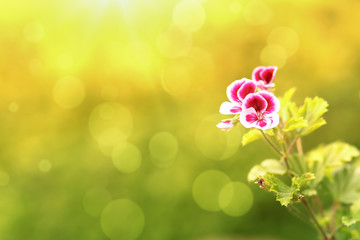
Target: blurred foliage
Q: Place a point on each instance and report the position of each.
(109, 107)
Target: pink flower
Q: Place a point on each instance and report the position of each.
(264, 76)
(236, 92)
(260, 110)
(225, 125)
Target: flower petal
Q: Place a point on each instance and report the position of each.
(225, 125)
(256, 73)
(268, 74)
(262, 85)
(273, 104)
(268, 121)
(263, 124)
(248, 117)
(256, 101)
(227, 108)
(275, 119)
(248, 87)
(233, 89)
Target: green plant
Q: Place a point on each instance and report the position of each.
(321, 186)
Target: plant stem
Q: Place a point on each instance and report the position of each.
(292, 144)
(299, 146)
(333, 217)
(298, 214)
(271, 144)
(312, 214)
(321, 210)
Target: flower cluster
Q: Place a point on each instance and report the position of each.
(251, 102)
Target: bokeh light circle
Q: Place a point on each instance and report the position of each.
(189, 15)
(174, 43)
(34, 32)
(45, 165)
(235, 7)
(163, 147)
(122, 219)
(214, 143)
(69, 92)
(273, 55)
(126, 157)
(109, 92)
(175, 78)
(13, 107)
(94, 201)
(207, 187)
(285, 37)
(257, 12)
(110, 124)
(235, 199)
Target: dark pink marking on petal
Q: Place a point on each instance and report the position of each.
(262, 123)
(273, 104)
(256, 73)
(248, 117)
(268, 74)
(248, 87)
(256, 101)
(233, 89)
(252, 117)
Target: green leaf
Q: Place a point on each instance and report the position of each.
(287, 107)
(311, 111)
(294, 123)
(309, 192)
(354, 216)
(250, 136)
(303, 179)
(344, 184)
(253, 135)
(286, 194)
(333, 154)
(267, 166)
(324, 159)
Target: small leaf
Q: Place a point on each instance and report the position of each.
(303, 179)
(253, 135)
(284, 193)
(250, 136)
(294, 123)
(354, 216)
(287, 107)
(267, 166)
(309, 192)
(311, 111)
(287, 96)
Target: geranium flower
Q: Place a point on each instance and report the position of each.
(260, 110)
(225, 125)
(264, 76)
(236, 93)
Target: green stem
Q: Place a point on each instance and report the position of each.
(271, 144)
(299, 146)
(312, 214)
(298, 214)
(292, 144)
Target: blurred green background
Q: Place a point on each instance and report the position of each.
(109, 107)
